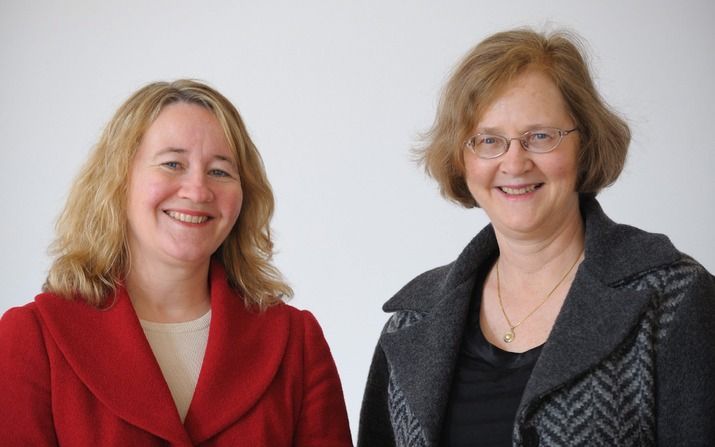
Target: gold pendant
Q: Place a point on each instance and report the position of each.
(509, 336)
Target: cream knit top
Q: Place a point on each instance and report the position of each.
(179, 349)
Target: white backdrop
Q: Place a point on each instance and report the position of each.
(334, 95)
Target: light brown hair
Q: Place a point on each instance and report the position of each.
(485, 72)
(91, 256)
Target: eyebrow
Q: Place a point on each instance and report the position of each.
(497, 131)
(175, 150)
(488, 130)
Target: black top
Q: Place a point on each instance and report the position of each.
(486, 389)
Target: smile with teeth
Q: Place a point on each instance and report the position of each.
(520, 191)
(187, 218)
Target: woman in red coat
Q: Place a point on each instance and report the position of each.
(161, 321)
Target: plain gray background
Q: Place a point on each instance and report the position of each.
(335, 94)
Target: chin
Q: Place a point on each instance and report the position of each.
(523, 226)
(184, 258)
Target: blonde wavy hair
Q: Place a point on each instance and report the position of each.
(91, 255)
(481, 77)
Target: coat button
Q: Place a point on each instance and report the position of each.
(530, 437)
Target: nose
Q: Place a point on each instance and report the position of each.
(519, 140)
(515, 161)
(195, 187)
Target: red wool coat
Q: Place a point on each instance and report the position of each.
(73, 375)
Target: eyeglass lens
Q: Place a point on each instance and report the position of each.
(537, 140)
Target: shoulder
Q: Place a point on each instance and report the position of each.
(286, 310)
(606, 238)
(419, 293)
(626, 257)
(306, 339)
(22, 340)
(427, 289)
(19, 320)
(414, 300)
(674, 282)
(617, 253)
(301, 321)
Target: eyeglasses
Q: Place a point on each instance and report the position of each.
(539, 141)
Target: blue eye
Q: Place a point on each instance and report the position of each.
(219, 173)
(542, 136)
(171, 165)
(488, 140)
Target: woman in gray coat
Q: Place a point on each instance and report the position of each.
(555, 326)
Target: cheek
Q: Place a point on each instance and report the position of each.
(570, 163)
(154, 193)
(231, 203)
(561, 168)
(156, 189)
(145, 195)
(569, 171)
(476, 175)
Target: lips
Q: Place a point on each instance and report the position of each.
(519, 190)
(186, 218)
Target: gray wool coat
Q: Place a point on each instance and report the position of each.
(630, 360)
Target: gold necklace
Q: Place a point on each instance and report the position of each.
(510, 335)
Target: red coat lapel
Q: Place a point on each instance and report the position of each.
(109, 353)
(244, 353)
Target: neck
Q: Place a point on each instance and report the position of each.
(168, 294)
(534, 279)
(532, 263)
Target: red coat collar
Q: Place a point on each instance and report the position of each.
(108, 351)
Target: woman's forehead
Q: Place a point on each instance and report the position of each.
(530, 99)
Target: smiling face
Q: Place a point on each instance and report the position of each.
(523, 193)
(184, 192)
